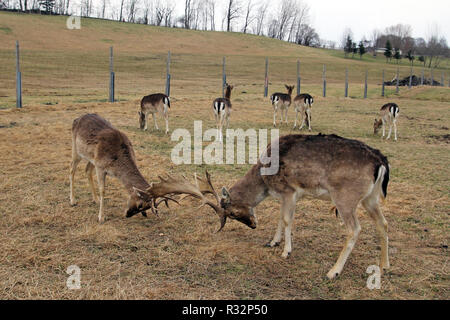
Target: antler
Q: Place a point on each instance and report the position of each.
(174, 186)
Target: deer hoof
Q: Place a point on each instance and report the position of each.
(332, 274)
(286, 255)
(270, 245)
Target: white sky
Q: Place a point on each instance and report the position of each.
(331, 17)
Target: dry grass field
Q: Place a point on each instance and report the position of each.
(177, 255)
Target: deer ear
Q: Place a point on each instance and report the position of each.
(141, 193)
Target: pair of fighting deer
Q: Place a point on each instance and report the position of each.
(347, 172)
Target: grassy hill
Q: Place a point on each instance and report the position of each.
(61, 65)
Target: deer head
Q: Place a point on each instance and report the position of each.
(229, 87)
(377, 125)
(237, 211)
(289, 89)
(141, 120)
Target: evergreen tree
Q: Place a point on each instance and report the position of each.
(354, 49)
(397, 55)
(388, 51)
(348, 46)
(361, 49)
(422, 59)
(410, 57)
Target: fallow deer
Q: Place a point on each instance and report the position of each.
(108, 151)
(389, 113)
(154, 103)
(347, 172)
(281, 101)
(222, 111)
(302, 104)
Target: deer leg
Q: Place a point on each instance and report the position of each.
(275, 109)
(73, 167)
(287, 210)
(166, 118)
(285, 115)
(395, 130)
(390, 130)
(146, 122)
(303, 119)
(373, 209)
(308, 112)
(154, 120)
(384, 125)
(296, 116)
(348, 214)
(101, 176)
(277, 237)
(90, 172)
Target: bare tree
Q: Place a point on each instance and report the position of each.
(121, 10)
(232, 12)
(261, 17)
(345, 35)
(248, 16)
(132, 9)
(284, 18)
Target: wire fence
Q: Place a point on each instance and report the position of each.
(116, 75)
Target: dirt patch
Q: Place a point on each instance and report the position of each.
(442, 138)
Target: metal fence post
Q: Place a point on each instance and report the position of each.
(224, 77)
(266, 79)
(432, 77)
(18, 79)
(421, 77)
(346, 82)
(111, 75)
(324, 81)
(298, 77)
(365, 86)
(410, 78)
(382, 86)
(442, 78)
(396, 88)
(168, 76)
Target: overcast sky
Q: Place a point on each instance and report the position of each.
(331, 17)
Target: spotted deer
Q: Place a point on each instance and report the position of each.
(281, 101)
(152, 104)
(302, 104)
(347, 172)
(389, 114)
(222, 111)
(107, 151)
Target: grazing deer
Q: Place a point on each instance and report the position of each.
(302, 104)
(222, 110)
(389, 113)
(347, 172)
(282, 101)
(154, 103)
(108, 151)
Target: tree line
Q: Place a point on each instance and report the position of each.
(287, 20)
(396, 43)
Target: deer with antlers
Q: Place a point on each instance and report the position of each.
(281, 101)
(222, 110)
(108, 151)
(302, 104)
(347, 172)
(389, 114)
(152, 104)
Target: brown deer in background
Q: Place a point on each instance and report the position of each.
(222, 111)
(108, 151)
(347, 172)
(152, 104)
(281, 101)
(302, 104)
(389, 114)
